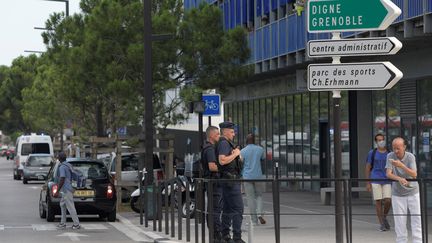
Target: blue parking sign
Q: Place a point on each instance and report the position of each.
(212, 104)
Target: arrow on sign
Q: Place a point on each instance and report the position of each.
(353, 76)
(350, 15)
(354, 47)
(73, 236)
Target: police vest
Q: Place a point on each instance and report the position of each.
(234, 167)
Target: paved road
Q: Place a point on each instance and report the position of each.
(20, 221)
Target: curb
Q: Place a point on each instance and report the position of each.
(154, 237)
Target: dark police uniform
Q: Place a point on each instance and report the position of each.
(208, 154)
(232, 212)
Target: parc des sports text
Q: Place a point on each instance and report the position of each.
(329, 21)
(342, 72)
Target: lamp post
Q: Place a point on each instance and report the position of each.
(67, 14)
(63, 1)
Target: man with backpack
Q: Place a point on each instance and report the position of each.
(66, 190)
(211, 171)
(381, 190)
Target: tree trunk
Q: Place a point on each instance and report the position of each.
(99, 121)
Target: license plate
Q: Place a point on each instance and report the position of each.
(83, 193)
(41, 177)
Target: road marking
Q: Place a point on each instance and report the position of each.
(19, 227)
(73, 236)
(131, 227)
(43, 227)
(94, 226)
(1, 227)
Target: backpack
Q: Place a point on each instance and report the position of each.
(373, 157)
(76, 175)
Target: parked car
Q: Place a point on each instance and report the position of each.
(36, 167)
(98, 196)
(129, 172)
(10, 153)
(3, 150)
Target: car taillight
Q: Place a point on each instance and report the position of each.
(54, 189)
(110, 192)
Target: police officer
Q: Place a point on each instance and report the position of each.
(211, 171)
(230, 163)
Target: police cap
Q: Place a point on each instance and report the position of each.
(226, 124)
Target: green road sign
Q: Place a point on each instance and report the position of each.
(350, 15)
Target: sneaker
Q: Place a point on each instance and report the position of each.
(382, 228)
(262, 220)
(61, 226)
(239, 241)
(386, 224)
(76, 227)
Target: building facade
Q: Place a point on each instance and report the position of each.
(294, 125)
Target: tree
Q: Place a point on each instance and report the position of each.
(93, 68)
(14, 79)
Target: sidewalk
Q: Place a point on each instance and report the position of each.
(299, 222)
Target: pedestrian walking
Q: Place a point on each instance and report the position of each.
(401, 165)
(65, 189)
(230, 163)
(211, 171)
(381, 190)
(252, 156)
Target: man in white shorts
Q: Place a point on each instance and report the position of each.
(381, 190)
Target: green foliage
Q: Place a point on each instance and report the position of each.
(92, 72)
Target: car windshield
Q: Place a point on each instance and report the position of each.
(35, 148)
(91, 170)
(39, 161)
(129, 163)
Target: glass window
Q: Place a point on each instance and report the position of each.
(42, 161)
(393, 115)
(297, 135)
(424, 127)
(35, 148)
(379, 112)
(289, 134)
(314, 139)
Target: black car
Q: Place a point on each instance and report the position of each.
(98, 196)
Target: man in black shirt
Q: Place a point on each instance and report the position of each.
(211, 171)
(230, 164)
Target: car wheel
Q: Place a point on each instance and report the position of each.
(112, 216)
(135, 204)
(25, 181)
(50, 212)
(18, 177)
(191, 209)
(42, 211)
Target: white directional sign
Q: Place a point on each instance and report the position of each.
(354, 47)
(353, 76)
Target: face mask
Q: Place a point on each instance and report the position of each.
(381, 144)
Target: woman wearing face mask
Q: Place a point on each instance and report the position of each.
(381, 190)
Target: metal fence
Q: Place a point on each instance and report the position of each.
(175, 207)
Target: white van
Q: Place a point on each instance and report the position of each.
(30, 144)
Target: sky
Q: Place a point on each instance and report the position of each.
(17, 21)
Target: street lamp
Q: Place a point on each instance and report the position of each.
(39, 28)
(64, 1)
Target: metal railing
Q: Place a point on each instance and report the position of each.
(172, 204)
